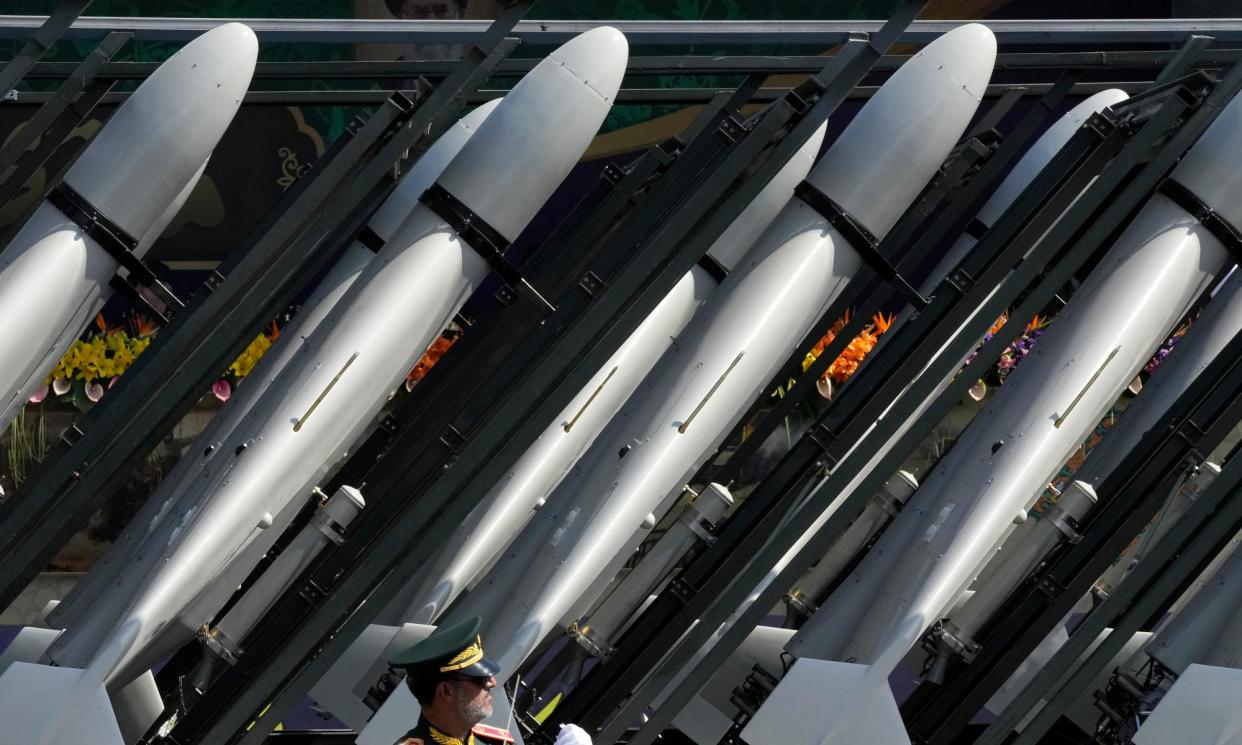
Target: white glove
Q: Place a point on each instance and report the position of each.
(572, 734)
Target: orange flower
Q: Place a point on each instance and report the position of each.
(143, 326)
(1000, 323)
(429, 359)
(855, 352)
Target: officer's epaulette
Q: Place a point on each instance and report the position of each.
(492, 733)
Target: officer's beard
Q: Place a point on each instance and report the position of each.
(473, 710)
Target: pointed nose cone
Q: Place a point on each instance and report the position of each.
(233, 50)
(537, 134)
(157, 140)
(966, 54)
(597, 58)
(1043, 151)
(891, 149)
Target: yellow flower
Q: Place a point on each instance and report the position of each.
(250, 356)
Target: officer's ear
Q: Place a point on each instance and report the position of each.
(444, 688)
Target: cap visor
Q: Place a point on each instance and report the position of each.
(484, 668)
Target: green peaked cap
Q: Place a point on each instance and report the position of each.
(449, 649)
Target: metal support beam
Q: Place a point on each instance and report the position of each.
(44, 35)
(653, 65)
(668, 96)
(819, 33)
(45, 120)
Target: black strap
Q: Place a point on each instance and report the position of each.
(714, 269)
(141, 286)
(857, 235)
(94, 223)
(976, 228)
(1209, 218)
(370, 238)
(485, 240)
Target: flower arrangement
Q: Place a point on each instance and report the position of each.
(433, 354)
(95, 362)
(854, 353)
(1019, 348)
(1165, 348)
(1014, 353)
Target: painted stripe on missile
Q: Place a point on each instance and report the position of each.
(1096, 376)
(681, 430)
(570, 424)
(297, 427)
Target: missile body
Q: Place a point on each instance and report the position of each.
(505, 511)
(732, 347)
(117, 573)
(342, 374)
(136, 172)
(930, 553)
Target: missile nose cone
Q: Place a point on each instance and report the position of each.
(965, 54)
(234, 49)
(1100, 101)
(907, 128)
(597, 58)
(158, 139)
(536, 135)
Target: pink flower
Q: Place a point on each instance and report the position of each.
(39, 394)
(94, 391)
(222, 390)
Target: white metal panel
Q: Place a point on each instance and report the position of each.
(1200, 709)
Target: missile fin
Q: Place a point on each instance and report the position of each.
(820, 702)
(42, 705)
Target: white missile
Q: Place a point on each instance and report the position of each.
(54, 277)
(345, 370)
(119, 571)
(920, 566)
(733, 346)
(511, 503)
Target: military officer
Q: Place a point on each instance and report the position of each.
(453, 683)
